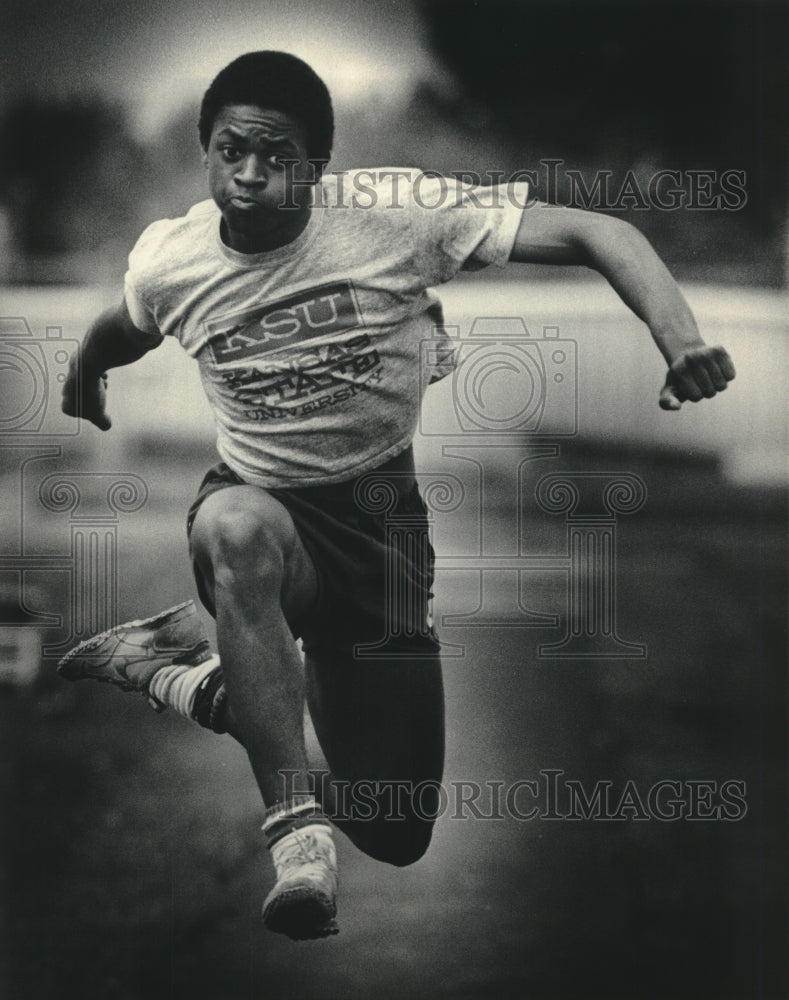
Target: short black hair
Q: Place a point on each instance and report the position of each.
(276, 80)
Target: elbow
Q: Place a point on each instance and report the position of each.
(607, 238)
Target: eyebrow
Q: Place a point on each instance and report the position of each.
(229, 132)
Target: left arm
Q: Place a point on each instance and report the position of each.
(556, 235)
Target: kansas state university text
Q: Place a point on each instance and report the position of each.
(319, 375)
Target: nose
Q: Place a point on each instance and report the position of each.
(250, 172)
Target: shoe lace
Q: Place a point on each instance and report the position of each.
(301, 849)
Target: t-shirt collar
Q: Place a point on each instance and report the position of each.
(269, 257)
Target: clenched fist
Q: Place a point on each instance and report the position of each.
(85, 395)
(698, 373)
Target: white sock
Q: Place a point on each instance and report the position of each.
(177, 684)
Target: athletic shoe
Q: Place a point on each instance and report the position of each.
(302, 904)
(129, 655)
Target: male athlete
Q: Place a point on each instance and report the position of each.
(304, 298)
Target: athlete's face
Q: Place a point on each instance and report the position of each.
(264, 200)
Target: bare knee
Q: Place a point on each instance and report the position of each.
(241, 543)
(247, 548)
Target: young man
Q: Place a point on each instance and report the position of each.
(304, 300)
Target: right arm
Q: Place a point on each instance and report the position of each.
(112, 341)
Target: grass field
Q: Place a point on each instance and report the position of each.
(134, 868)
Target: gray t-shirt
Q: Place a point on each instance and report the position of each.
(315, 356)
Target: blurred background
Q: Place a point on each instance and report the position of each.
(99, 105)
(132, 861)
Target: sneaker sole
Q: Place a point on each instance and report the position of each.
(302, 914)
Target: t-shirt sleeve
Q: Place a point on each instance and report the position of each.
(140, 313)
(458, 226)
(137, 281)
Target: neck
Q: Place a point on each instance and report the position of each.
(287, 229)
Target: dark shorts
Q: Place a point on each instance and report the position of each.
(368, 539)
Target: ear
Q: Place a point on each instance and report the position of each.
(205, 158)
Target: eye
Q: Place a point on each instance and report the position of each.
(229, 153)
(277, 161)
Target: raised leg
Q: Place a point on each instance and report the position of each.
(380, 723)
(261, 581)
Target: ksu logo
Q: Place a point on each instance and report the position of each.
(261, 329)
